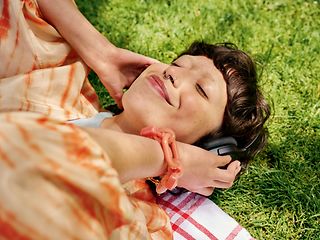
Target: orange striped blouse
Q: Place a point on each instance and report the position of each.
(57, 183)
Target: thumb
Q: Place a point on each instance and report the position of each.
(150, 60)
(144, 60)
(132, 58)
(222, 161)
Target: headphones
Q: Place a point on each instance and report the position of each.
(222, 146)
(227, 146)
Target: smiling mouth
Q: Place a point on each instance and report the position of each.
(157, 83)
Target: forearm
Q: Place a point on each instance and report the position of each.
(75, 29)
(133, 157)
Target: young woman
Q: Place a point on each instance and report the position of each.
(89, 183)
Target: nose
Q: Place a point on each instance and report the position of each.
(178, 75)
(168, 76)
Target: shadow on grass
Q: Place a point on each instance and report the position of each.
(281, 185)
(292, 182)
(293, 178)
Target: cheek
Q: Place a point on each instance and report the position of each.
(203, 117)
(207, 116)
(193, 108)
(194, 122)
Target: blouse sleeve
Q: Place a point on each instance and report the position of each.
(57, 183)
(39, 71)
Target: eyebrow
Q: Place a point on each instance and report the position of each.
(184, 59)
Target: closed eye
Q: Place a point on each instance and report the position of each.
(174, 64)
(198, 86)
(201, 91)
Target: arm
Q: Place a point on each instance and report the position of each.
(133, 157)
(117, 68)
(136, 157)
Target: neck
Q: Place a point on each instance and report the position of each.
(119, 123)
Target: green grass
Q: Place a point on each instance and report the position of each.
(279, 196)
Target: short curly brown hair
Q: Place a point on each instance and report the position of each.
(247, 110)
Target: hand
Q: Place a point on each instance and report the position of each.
(119, 68)
(201, 172)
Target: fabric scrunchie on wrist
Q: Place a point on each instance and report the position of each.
(166, 138)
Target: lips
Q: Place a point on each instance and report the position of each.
(157, 83)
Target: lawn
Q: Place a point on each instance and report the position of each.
(279, 196)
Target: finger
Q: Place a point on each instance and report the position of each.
(135, 58)
(118, 99)
(116, 95)
(145, 60)
(207, 191)
(133, 73)
(223, 175)
(234, 167)
(114, 89)
(223, 160)
(151, 61)
(225, 178)
(218, 184)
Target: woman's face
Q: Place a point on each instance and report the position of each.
(189, 96)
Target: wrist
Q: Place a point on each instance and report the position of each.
(166, 138)
(94, 49)
(99, 55)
